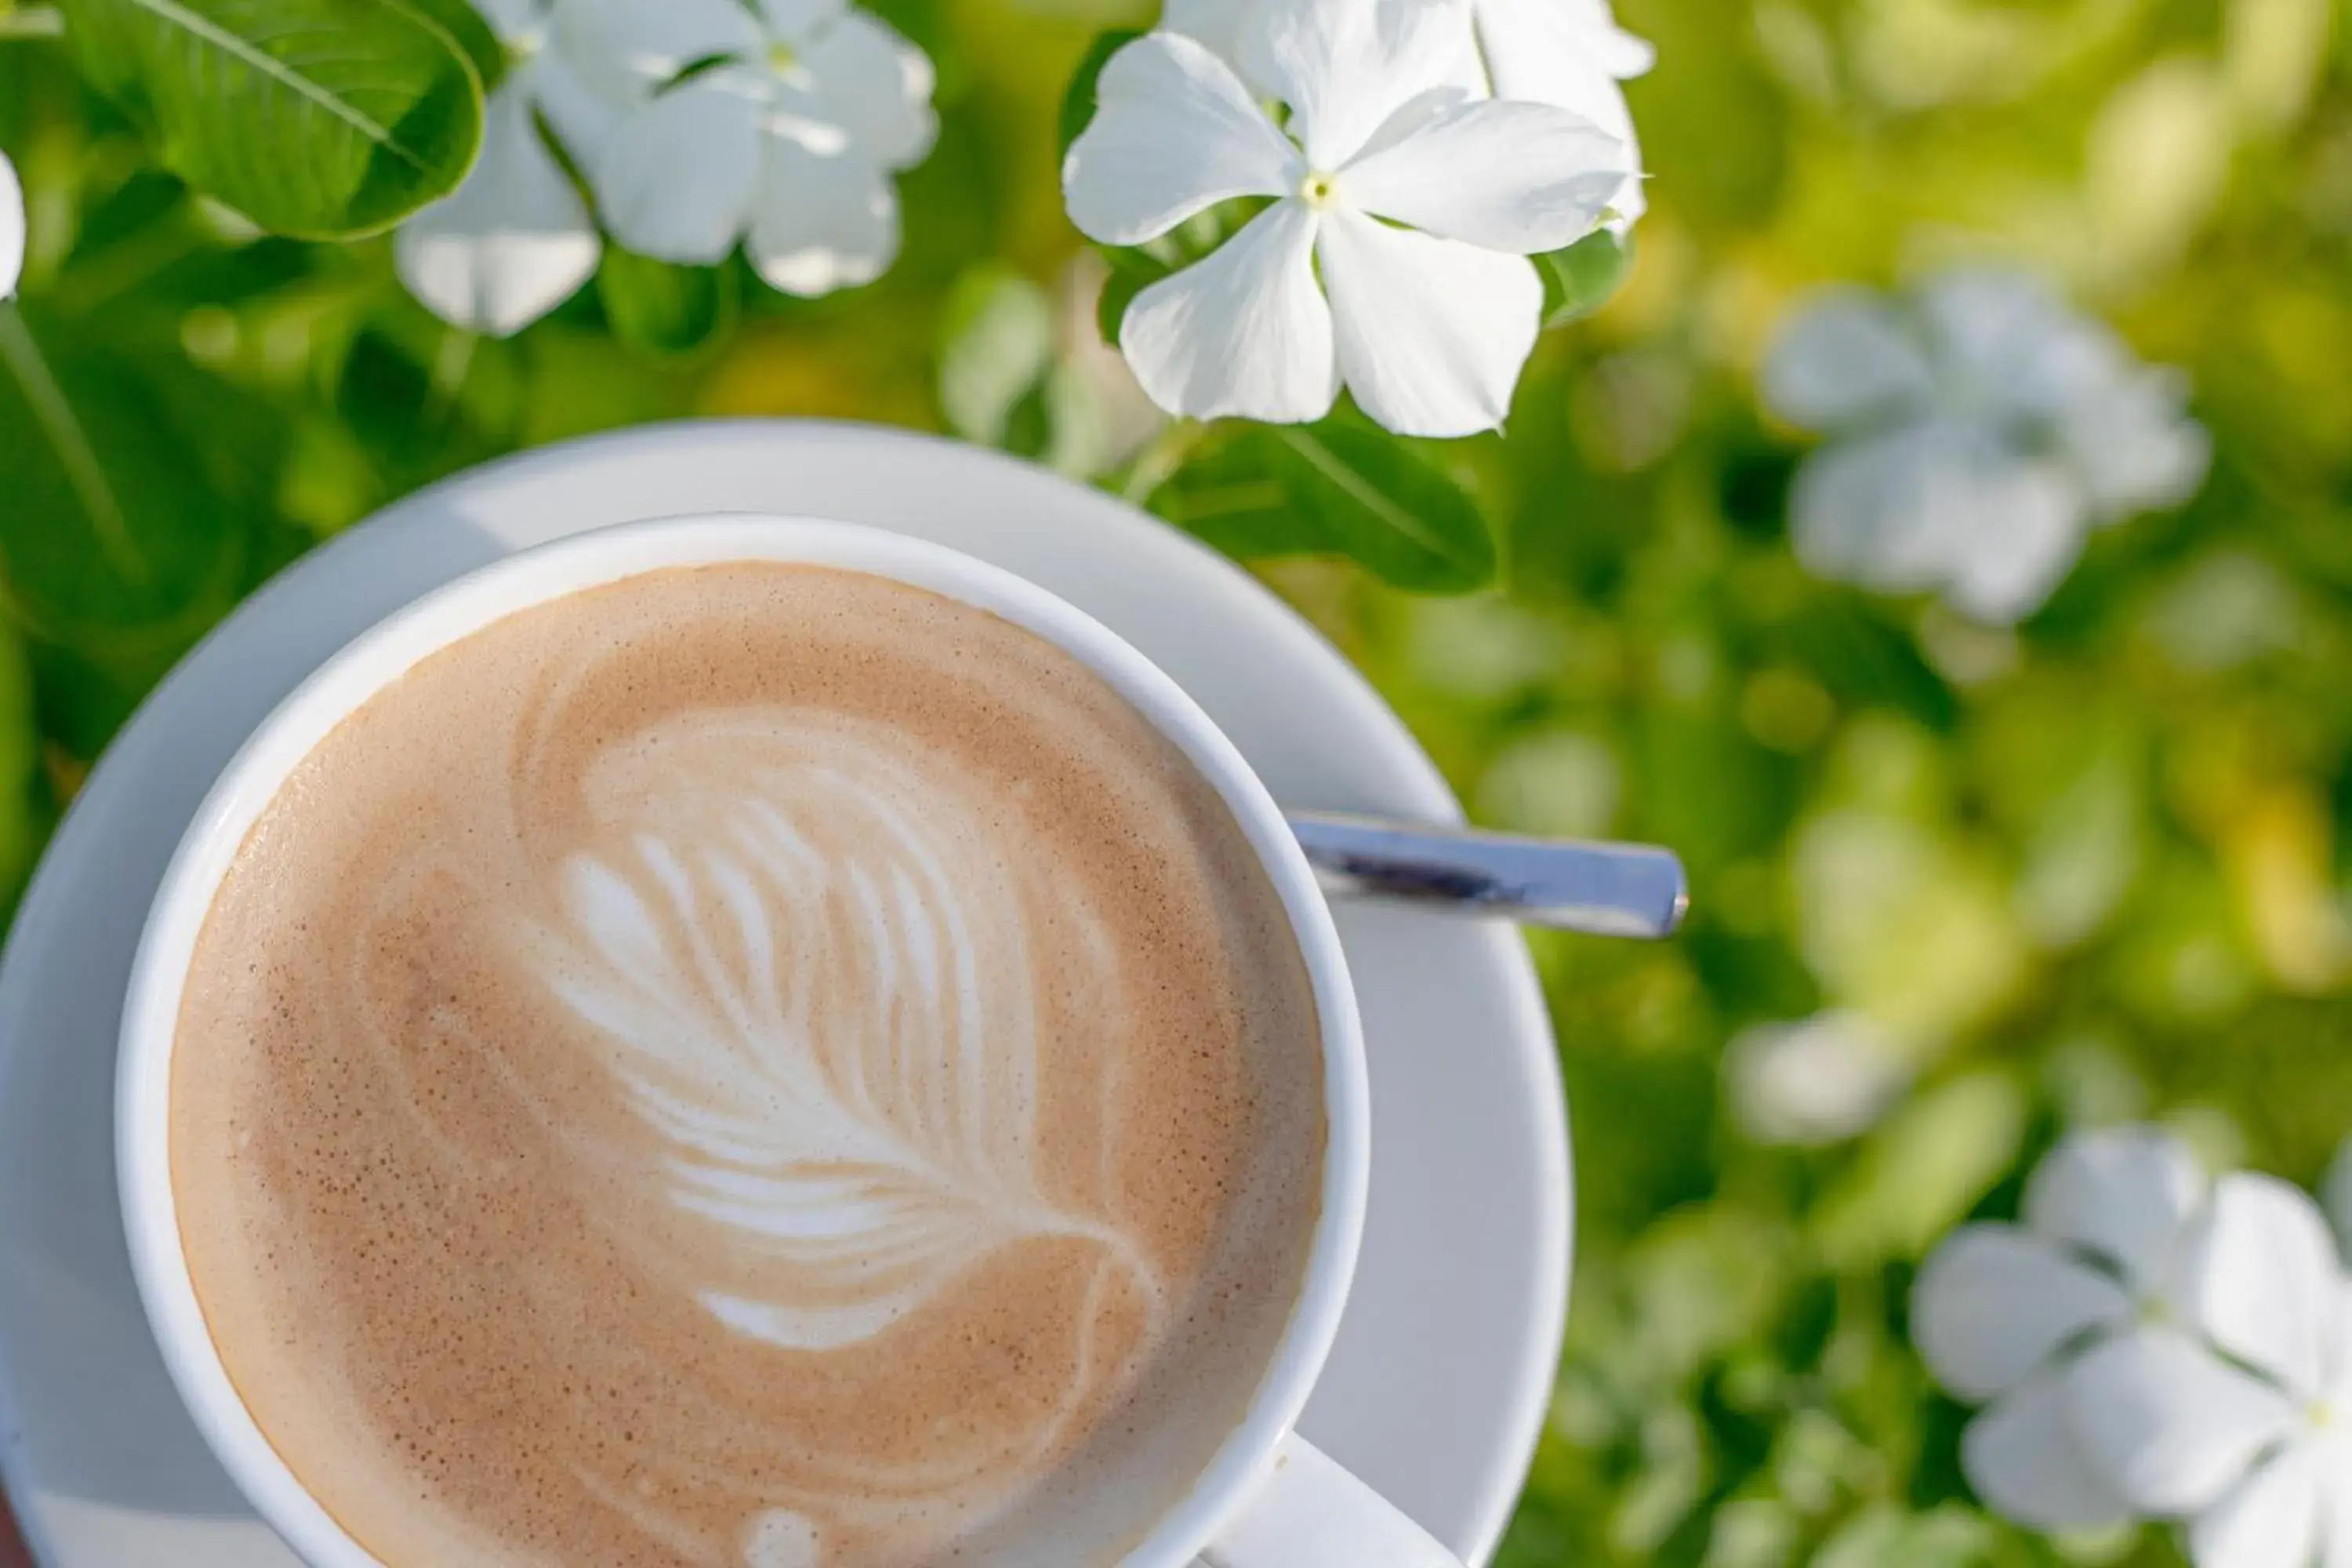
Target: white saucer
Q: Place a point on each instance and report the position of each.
(1444, 1367)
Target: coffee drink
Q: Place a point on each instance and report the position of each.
(753, 1066)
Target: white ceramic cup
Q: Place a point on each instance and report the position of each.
(1267, 1500)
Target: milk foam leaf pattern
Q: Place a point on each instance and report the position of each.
(814, 987)
(1340, 487)
(317, 118)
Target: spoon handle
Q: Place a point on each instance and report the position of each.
(1608, 889)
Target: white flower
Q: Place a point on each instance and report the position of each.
(1979, 431)
(515, 240)
(1569, 53)
(2018, 1315)
(12, 229)
(1418, 205)
(2254, 1451)
(789, 147)
(1817, 1081)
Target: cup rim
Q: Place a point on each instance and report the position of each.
(446, 615)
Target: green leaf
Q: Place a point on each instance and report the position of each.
(1078, 101)
(1584, 278)
(664, 308)
(316, 118)
(1340, 487)
(472, 34)
(123, 538)
(1131, 272)
(996, 344)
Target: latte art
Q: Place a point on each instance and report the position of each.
(753, 1066)
(808, 962)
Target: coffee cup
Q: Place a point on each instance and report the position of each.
(1121, 1474)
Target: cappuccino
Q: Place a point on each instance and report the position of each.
(753, 1066)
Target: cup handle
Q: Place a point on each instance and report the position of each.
(1308, 1513)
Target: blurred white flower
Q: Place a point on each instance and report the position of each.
(12, 229)
(2018, 1315)
(1573, 54)
(1818, 1080)
(1978, 431)
(1418, 205)
(514, 240)
(789, 147)
(2254, 1451)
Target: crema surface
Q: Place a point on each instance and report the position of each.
(756, 1067)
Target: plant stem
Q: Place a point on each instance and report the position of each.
(56, 416)
(1158, 462)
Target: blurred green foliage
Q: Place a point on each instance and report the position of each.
(2090, 869)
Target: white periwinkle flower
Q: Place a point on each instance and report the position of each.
(12, 229)
(1978, 431)
(1418, 204)
(2016, 1315)
(789, 147)
(2254, 1451)
(515, 240)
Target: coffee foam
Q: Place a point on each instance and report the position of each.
(751, 1065)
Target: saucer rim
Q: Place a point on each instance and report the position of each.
(1409, 772)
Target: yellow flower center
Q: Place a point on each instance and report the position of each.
(1318, 190)
(783, 58)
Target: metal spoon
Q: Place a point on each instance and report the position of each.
(1609, 889)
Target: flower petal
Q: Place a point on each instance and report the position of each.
(2023, 1459)
(822, 223)
(625, 49)
(12, 229)
(1344, 67)
(2135, 445)
(581, 118)
(2028, 529)
(1246, 333)
(678, 177)
(798, 21)
(2126, 1193)
(2334, 1449)
(511, 243)
(1844, 355)
(2270, 1520)
(1570, 54)
(1938, 504)
(1522, 177)
(878, 86)
(1994, 1302)
(1176, 132)
(1532, 45)
(1214, 23)
(2170, 1424)
(1431, 332)
(2263, 1279)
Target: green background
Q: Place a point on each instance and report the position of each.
(2092, 870)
